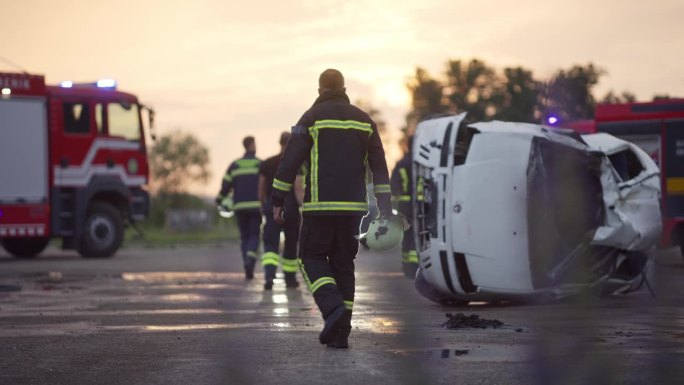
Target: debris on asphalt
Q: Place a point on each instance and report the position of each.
(462, 321)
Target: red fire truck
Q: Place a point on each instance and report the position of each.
(658, 128)
(73, 165)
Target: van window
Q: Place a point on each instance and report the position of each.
(76, 118)
(99, 111)
(627, 164)
(123, 120)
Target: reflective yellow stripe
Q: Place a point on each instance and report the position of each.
(343, 125)
(404, 198)
(404, 180)
(381, 189)
(244, 171)
(280, 185)
(314, 164)
(675, 185)
(228, 178)
(420, 189)
(410, 256)
(252, 254)
(246, 205)
(321, 282)
(247, 162)
(270, 258)
(304, 275)
(335, 206)
(349, 305)
(289, 265)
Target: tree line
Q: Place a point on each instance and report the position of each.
(511, 94)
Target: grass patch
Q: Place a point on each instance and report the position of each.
(223, 232)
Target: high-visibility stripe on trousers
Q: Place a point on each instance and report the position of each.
(327, 249)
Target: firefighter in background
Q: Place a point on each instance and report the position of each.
(242, 177)
(270, 259)
(402, 193)
(338, 140)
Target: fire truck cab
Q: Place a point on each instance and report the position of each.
(73, 165)
(658, 128)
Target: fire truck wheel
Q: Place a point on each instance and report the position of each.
(25, 247)
(103, 232)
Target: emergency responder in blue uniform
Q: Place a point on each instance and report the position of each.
(242, 177)
(402, 193)
(270, 259)
(338, 141)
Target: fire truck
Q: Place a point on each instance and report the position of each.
(658, 128)
(73, 165)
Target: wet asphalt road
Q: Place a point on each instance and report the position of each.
(187, 316)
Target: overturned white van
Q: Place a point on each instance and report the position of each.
(519, 211)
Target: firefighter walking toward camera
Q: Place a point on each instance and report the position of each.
(337, 140)
(270, 259)
(242, 178)
(402, 194)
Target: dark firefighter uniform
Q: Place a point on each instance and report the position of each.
(338, 141)
(402, 193)
(242, 177)
(270, 259)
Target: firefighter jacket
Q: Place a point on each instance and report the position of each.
(337, 142)
(242, 177)
(401, 180)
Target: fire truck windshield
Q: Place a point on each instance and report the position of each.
(124, 120)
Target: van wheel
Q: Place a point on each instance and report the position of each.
(103, 231)
(25, 247)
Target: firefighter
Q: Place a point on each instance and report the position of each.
(337, 140)
(270, 259)
(402, 192)
(242, 178)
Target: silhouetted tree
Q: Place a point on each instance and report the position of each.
(614, 98)
(427, 95)
(661, 97)
(473, 87)
(520, 96)
(569, 92)
(176, 161)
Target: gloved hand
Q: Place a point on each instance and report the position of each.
(279, 214)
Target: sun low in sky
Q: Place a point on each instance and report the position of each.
(226, 69)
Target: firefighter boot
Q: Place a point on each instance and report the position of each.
(410, 269)
(269, 275)
(332, 322)
(291, 281)
(341, 338)
(250, 262)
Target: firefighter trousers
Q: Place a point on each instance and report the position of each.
(249, 225)
(270, 259)
(327, 249)
(409, 255)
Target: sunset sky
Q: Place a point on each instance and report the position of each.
(225, 69)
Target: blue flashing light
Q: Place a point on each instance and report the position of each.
(66, 84)
(552, 120)
(106, 83)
